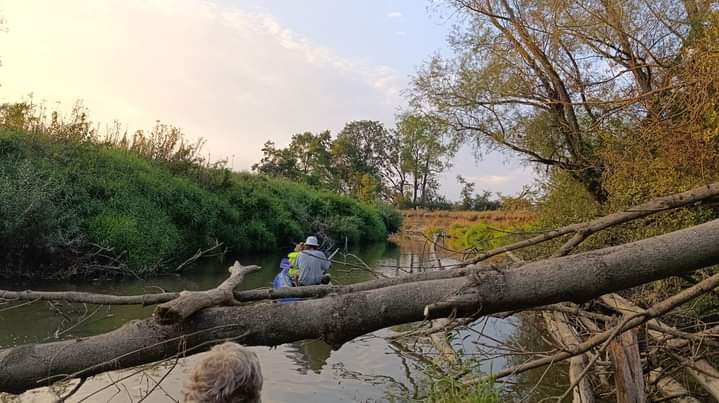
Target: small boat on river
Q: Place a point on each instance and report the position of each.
(282, 279)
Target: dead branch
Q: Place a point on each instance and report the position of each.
(700, 369)
(189, 302)
(89, 298)
(670, 388)
(560, 329)
(200, 253)
(634, 320)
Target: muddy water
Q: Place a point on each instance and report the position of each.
(367, 369)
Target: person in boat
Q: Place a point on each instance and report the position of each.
(293, 272)
(229, 374)
(312, 264)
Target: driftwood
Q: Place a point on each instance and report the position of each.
(630, 322)
(441, 344)
(312, 291)
(705, 374)
(560, 329)
(700, 369)
(339, 318)
(628, 374)
(670, 388)
(189, 302)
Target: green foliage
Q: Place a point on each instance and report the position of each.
(391, 217)
(424, 153)
(481, 236)
(34, 226)
(59, 190)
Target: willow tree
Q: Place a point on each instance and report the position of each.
(555, 81)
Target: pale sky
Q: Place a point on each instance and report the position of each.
(237, 73)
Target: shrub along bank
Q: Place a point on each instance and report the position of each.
(71, 207)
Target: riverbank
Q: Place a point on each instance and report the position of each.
(463, 231)
(79, 207)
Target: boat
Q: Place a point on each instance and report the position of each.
(282, 279)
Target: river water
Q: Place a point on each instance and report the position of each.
(367, 369)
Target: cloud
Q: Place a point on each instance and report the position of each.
(394, 14)
(489, 179)
(232, 76)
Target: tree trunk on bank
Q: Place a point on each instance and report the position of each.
(340, 318)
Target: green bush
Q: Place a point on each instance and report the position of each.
(391, 217)
(149, 211)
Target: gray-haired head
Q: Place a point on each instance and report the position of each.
(229, 374)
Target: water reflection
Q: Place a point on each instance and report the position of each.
(309, 355)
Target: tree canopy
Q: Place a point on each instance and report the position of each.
(367, 160)
(559, 83)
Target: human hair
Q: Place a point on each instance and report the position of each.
(230, 373)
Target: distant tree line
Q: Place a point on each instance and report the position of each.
(367, 161)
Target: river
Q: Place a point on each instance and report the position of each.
(367, 369)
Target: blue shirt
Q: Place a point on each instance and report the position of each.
(312, 264)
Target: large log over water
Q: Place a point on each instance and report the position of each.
(339, 318)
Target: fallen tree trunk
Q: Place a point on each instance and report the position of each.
(340, 318)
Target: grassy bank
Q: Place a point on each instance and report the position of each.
(69, 205)
(468, 230)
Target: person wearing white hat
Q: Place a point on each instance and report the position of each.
(312, 263)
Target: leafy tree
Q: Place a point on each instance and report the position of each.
(314, 159)
(557, 82)
(483, 202)
(307, 158)
(466, 194)
(360, 154)
(471, 201)
(424, 153)
(277, 162)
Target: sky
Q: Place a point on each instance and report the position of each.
(234, 72)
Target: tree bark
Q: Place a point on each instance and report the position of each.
(189, 302)
(340, 318)
(628, 374)
(669, 387)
